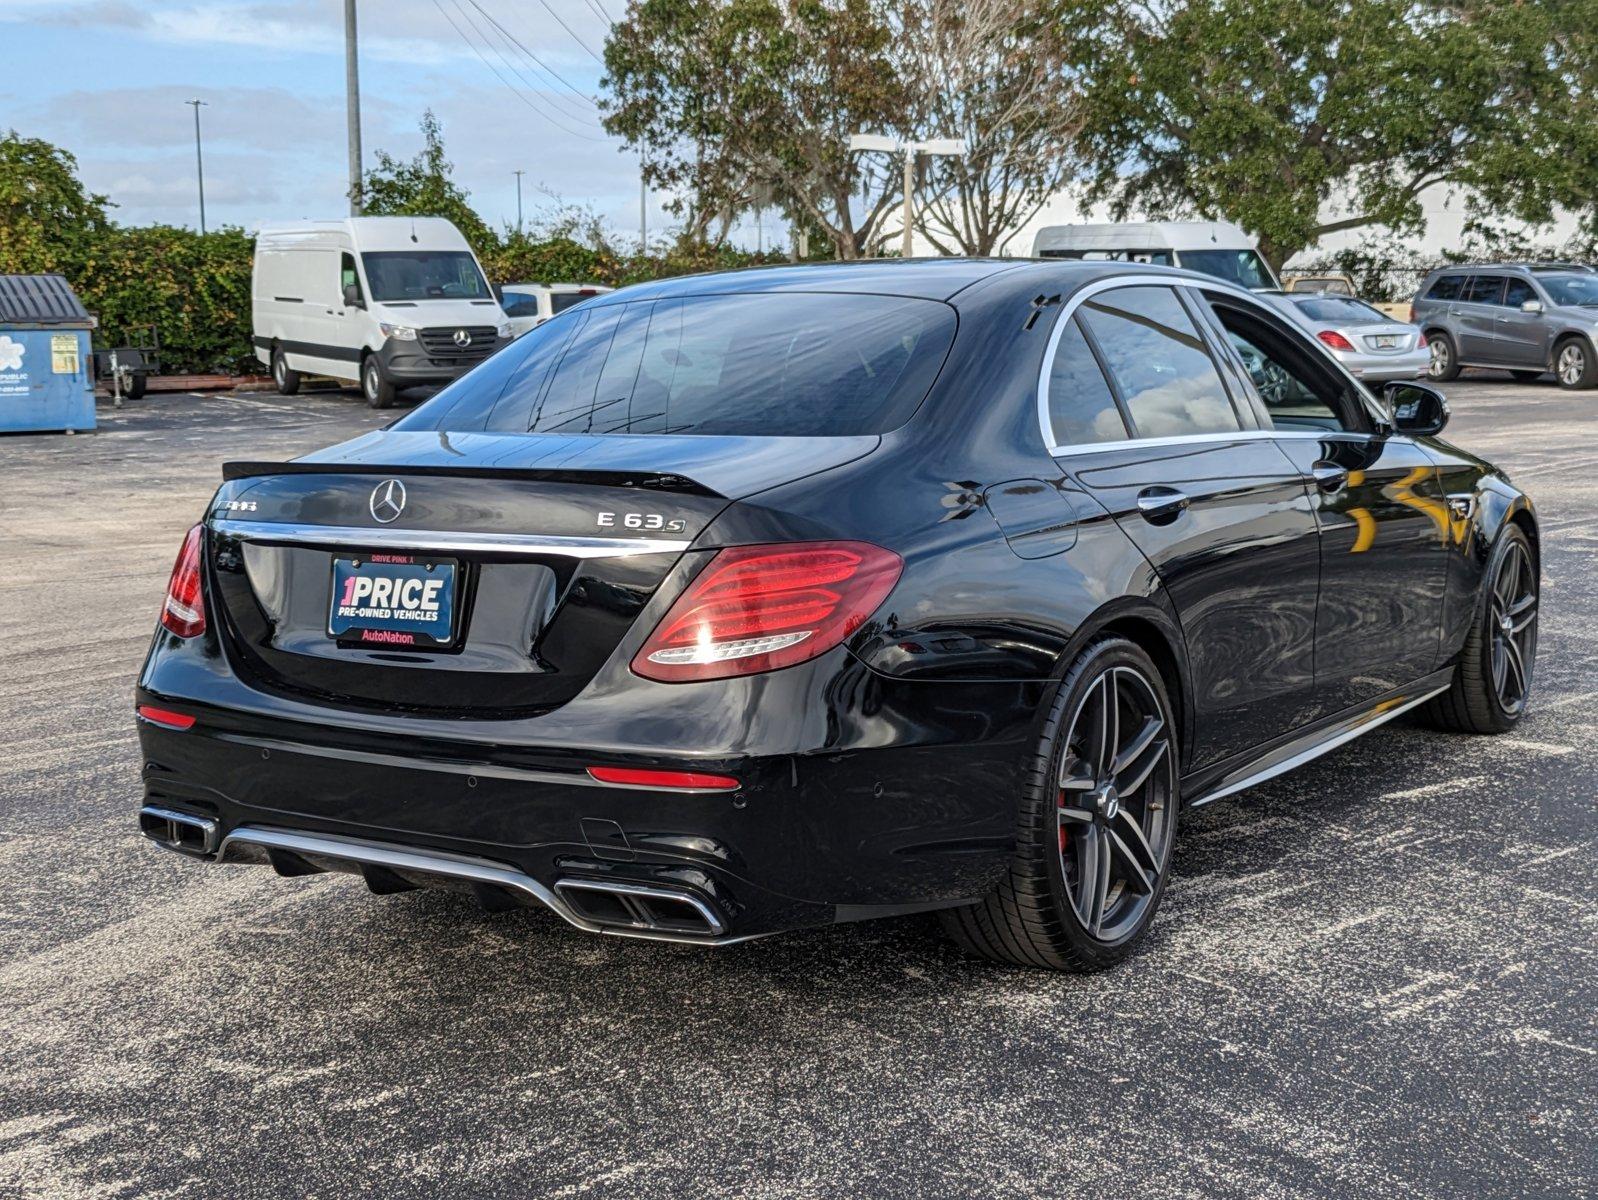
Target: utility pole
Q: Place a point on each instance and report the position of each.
(643, 207)
(518, 175)
(352, 105)
(874, 141)
(199, 159)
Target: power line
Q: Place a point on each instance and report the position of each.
(520, 95)
(510, 37)
(600, 12)
(562, 21)
(538, 86)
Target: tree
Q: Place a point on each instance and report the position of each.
(423, 187)
(46, 216)
(1272, 112)
(730, 99)
(990, 72)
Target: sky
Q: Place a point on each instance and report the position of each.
(108, 80)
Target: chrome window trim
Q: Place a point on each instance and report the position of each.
(445, 541)
(1146, 279)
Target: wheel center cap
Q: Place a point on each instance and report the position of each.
(1108, 801)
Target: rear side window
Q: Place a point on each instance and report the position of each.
(519, 304)
(561, 301)
(762, 364)
(1082, 408)
(1483, 289)
(1447, 287)
(1158, 361)
(1335, 308)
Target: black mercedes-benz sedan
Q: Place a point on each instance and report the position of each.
(758, 601)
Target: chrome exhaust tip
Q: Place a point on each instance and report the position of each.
(617, 905)
(180, 831)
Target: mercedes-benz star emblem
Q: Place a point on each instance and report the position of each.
(388, 500)
(463, 338)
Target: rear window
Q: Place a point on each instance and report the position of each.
(762, 364)
(1447, 287)
(1242, 267)
(561, 301)
(1332, 308)
(1572, 289)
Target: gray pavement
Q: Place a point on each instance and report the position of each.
(1374, 977)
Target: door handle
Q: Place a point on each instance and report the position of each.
(1329, 477)
(1161, 505)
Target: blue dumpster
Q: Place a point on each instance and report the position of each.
(45, 365)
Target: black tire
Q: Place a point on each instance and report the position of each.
(284, 376)
(1575, 364)
(1445, 356)
(379, 392)
(1527, 376)
(1035, 917)
(1476, 700)
(136, 386)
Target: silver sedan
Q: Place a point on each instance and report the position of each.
(1372, 345)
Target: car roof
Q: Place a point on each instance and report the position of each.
(914, 278)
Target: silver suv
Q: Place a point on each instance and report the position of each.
(1525, 318)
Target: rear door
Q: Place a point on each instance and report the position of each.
(1522, 336)
(1383, 520)
(1140, 416)
(1476, 314)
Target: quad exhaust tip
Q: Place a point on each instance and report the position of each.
(176, 830)
(639, 906)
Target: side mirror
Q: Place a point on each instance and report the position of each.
(1531, 306)
(499, 292)
(352, 296)
(1417, 408)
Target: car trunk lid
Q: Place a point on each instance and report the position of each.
(546, 549)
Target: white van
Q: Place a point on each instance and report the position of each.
(1209, 247)
(529, 305)
(388, 302)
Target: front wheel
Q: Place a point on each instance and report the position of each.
(1445, 359)
(1097, 823)
(1575, 366)
(379, 392)
(1492, 682)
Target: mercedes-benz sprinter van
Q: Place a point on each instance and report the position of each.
(386, 302)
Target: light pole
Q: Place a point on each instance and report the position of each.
(518, 175)
(352, 105)
(643, 207)
(199, 160)
(888, 145)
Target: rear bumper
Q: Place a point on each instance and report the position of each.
(1411, 364)
(915, 815)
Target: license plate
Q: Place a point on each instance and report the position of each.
(393, 600)
(1386, 343)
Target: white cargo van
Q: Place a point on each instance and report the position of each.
(388, 302)
(1209, 247)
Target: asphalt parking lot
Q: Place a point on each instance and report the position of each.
(1374, 977)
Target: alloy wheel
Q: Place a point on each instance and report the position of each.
(1513, 617)
(1117, 790)
(1439, 362)
(1572, 365)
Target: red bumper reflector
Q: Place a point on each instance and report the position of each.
(166, 717)
(693, 780)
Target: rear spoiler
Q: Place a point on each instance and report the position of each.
(656, 481)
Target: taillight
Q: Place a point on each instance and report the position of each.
(758, 608)
(1335, 340)
(184, 610)
(1421, 343)
(1411, 314)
